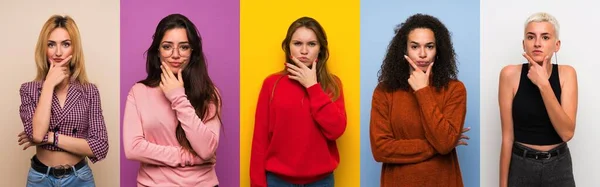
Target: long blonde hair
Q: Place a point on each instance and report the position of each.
(77, 64)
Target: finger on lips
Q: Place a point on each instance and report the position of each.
(66, 60)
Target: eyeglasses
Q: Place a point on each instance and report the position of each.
(168, 50)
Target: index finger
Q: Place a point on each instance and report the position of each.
(64, 61)
(546, 61)
(529, 59)
(51, 63)
(166, 67)
(297, 62)
(414, 66)
(429, 69)
(466, 129)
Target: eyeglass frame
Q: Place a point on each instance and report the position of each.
(172, 51)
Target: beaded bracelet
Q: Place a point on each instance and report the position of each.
(55, 143)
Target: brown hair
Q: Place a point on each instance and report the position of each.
(327, 80)
(77, 63)
(199, 88)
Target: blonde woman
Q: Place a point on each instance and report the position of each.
(538, 106)
(61, 111)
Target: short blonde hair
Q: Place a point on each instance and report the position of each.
(544, 17)
(77, 64)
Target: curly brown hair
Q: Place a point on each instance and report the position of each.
(395, 70)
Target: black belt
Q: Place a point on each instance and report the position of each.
(58, 171)
(539, 155)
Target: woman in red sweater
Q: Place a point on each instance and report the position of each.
(419, 108)
(299, 116)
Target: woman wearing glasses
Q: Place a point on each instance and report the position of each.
(172, 118)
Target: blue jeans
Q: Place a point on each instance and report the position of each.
(79, 178)
(274, 181)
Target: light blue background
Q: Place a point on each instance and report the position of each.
(378, 20)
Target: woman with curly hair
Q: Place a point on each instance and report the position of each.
(419, 107)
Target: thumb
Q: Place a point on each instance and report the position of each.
(546, 61)
(314, 65)
(50, 64)
(64, 61)
(179, 76)
(429, 69)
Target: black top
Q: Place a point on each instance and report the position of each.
(531, 122)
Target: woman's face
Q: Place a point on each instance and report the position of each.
(59, 46)
(305, 46)
(540, 40)
(421, 47)
(175, 49)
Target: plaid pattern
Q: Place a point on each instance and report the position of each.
(81, 116)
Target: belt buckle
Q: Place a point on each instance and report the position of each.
(60, 171)
(543, 155)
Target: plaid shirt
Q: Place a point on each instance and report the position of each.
(81, 116)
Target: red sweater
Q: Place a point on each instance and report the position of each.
(295, 131)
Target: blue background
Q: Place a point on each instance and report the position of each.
(378, 20)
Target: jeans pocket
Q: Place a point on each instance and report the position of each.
(34, 177)
(85, 174)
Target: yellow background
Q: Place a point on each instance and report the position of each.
(263, 27)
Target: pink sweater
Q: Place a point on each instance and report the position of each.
(149, 125)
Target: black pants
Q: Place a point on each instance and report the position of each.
(547, 172)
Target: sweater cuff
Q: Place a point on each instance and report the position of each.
(424, 94)
(173, 94)
(314, 89)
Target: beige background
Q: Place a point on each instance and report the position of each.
(21, 21)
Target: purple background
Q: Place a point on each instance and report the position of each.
(218, 23)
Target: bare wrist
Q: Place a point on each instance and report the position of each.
(48, 84)
(50, 138)
(544, 85)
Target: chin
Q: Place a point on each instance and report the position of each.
(538, 59)
(174, 70)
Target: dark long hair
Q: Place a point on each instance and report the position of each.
(327, 80)
(198, 86)
(395, 70)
